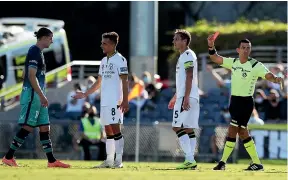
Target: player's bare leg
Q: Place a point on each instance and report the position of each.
(251, 149)
(18, 140)
(47, 147)
(119, 145)
(229, 146)
(110, 148)
(184, 141)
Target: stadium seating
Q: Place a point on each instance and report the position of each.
(210, 108)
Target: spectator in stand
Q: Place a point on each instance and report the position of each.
(85, 109)
(94, 97)
(160, 84)
(153, 93)
(255, 119)
(147, 79)
(259, 100)
(283, 107)
(92, 134)
(223, 84)
(136, 89)
(269, 105)
(272, 105)
(153, 98)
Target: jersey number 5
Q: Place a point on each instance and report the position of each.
(176, 114)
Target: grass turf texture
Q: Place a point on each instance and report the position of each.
(36, 169)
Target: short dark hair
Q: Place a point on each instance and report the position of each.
(243, 41)
(184, 35)
(112, 36)
(42, 32)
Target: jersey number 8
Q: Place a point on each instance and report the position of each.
(113, 111)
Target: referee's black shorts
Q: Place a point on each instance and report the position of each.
(240, 110)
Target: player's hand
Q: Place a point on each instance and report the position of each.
(44, 101)
(211, 39)
(171, 103)
(186, 105)
(79, 95)
(124, 106)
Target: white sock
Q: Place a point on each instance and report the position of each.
(185, 145)
(110, 149)
(193, 146)
(119, 146)
(192, 143)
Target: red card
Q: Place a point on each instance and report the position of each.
(215, 35)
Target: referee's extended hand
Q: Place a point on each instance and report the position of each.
(278, 80)
(186, 105)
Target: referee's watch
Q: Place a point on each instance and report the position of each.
(211, 50)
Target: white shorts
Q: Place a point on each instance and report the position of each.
(111, 115)
(186, 119)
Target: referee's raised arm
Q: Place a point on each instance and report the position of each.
(212, 51)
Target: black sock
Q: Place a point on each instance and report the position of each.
(191, 135)
(180, 133)
(17, 142)
(47, 146)
(117, 136)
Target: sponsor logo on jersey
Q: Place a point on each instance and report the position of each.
(33, 61)
(111, 66)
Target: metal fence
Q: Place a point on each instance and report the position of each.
(156, 142)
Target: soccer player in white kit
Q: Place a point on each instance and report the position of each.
(113, 80)
(186, 100)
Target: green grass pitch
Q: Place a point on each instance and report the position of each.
(36, 170)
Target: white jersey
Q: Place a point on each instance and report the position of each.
(111, 86)
(186, 60)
